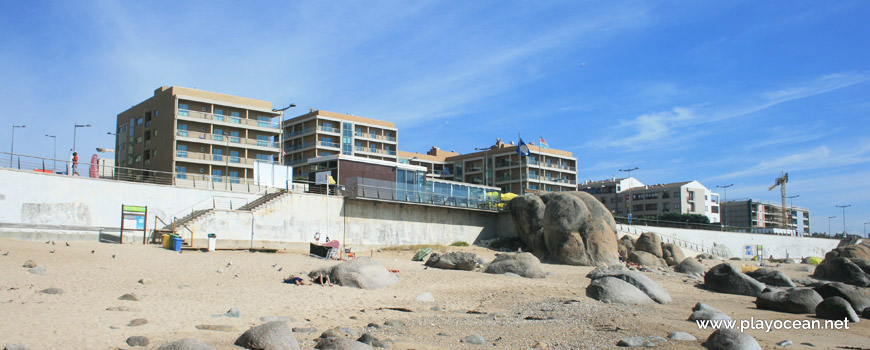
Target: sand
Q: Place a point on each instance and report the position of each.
(195, 288)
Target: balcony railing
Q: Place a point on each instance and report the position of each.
(214, 157)
(374, 136)
(374, 150)
(329, 144)
(299, 146)
(329, 129)
(228, 119)
(226, 138)
(298, 132)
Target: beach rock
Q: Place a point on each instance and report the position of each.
(856, 251)
(216, 327)
(186, 344)
(37, 271)
(866, 312)
(724, 278)
(523, 264)
(453, 261)
(636, 279)
(785, 343)
(808, 282)
(29, 264)
(52, 290)
(233, 312)
(275, 335)
(704, 256)
(703, 311)
(842, 270)
(836, 308)
(575, 228)
(363, 272)
(793, 300)
(129, 296)
(14, 347)
(645, 259)
(394, 323)
(615, 290)
(771, 277)
(137, 322)
(368, 339)
(146, 281)
(625, 245)
(851, 294)
(690, 266)
(475, 339)
(137, 340)
(649, 242)
(635, 342)
(304, 330)
(672, 254)
(681, 336)
(425, 298)
(340, 344)
(276, 318)
(728, 339)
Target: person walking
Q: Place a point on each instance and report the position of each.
(75, 164)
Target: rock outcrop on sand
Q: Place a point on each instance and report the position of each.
(275, 335)
(334, 343)
(703, 311)
(523, 264)
(636, 289)
(851, 294)
(636, 280)
(362, 272)
(186, 344)
(792, 300)
(859, 250)
(672, 254)
(645, 259)
(453, 261)
(771, 277)
(724, 278)
(844, 270)
(649, 242)
(836, 308)
(572, 228)
(690, 266)
(728, 339)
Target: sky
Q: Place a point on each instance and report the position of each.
(731, 92)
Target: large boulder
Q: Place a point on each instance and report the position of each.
(576, 228)
(649, 242)
(614, 290)
(703, 311)
(523, 264)
(851, 294)
(453, 261)
(729, 339)
(625, 245)
(771, 277)
(793, 300)
(363, 272)
(275, 335)
(855, 251)
(842, 270)
(724, 278)
(672, 254)
(636, 279)
(645, 259)
(186, 344)
(690, 266)
(836, 308)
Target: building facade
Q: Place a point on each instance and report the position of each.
(322, 133)
(199, 135)
(628, 195)
(756, 216)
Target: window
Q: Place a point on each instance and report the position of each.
(234, 157)
(235, 117)
(263, 121)
(691, 195)
(218, 135)
(234, 177)
(183, 109)
(217, 154)
(182, 130)
(181, 172)
(715, 209)
(676, 194)
(216, 175)
(651, 206)
(234, 136)
(156, 113)
(691, 207)
(637, 196)
(666, 194)
(181, 151)
(666, 206)
(264, 157)
(219, 115)
(139, 121)
(346, 138)
(263, 140)
(637, 207)
(651, 195)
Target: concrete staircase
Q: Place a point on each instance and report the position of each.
(266, 198)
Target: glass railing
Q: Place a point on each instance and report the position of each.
(433, 192)
(329, 129)
(225, 138)
(329, 144)
(213, 157)
(222, 118)
(298, 132)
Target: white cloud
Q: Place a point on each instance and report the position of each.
(817, 158)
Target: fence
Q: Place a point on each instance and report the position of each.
(434, 193)
(676, 241)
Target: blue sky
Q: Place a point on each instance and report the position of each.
(719, 92)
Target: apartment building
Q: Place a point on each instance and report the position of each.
(758, 215)
(689, 197)
(199, 135)
(544, 170)
(321, 133)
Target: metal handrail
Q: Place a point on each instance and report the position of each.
(677, 241)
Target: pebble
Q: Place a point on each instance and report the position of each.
(304, 330)
(435, 308)
(540, 345)
(137, 340)
(129, 296)
(641, 341)
(373, 325)
(146, 281)
(137, 322)
(476, 339)
(29, 264)
(37, 271)
(14, 347)
(678, 335)
(370, 340)
(114, 327)
(808, 344)
(234, 312)
(442, 334)
(394, 323)
(52, 290)
(784, 343)
(216, 327)
(425, 298)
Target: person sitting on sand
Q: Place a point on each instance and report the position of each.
(296, 280)
(322, 279)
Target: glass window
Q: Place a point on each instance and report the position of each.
(234, 136)
(182, 130)
(219, 115)
(139, 121)
(263, 121)
(263, 140)
(183, 109)
(181, 172)
(234, 157)
(265, 157)
(234, 177)
(216, 175)
(217, 154)
(235, 117)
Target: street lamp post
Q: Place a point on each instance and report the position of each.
(54, 160)
(485, 168)
(12, 150)
(722, 204)
(829, 224)
(75, 131)
(844, 216)
(281, 135)
(629, 190)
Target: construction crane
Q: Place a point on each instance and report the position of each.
(781, 181)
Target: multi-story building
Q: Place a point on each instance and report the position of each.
(766, 217)
(689, 197)
(197, 134)
(321, 133)
(545, 169)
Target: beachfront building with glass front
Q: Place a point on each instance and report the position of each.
(199, 135)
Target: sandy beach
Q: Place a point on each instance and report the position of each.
(197, 288)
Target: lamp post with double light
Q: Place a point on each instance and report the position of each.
(54, 159)
(75, 133)
(12, 150)
(829, 224)
(844, 217)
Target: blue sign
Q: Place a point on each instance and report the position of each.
(749, 250)
(629, 218)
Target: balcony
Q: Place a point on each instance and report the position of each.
(329, 144)
(299, 146)
(228, 120)
(374, 136)
(220, 139)
(213, 159)
(302, 131)
(503, 164)
(329, 129)
(375, 151)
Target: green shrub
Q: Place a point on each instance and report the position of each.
(459, 244)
